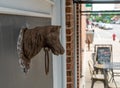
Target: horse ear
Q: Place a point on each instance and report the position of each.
(55, 28)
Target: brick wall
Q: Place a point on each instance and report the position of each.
(70, 43)
(80, 36)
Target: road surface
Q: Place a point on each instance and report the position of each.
(107, 34)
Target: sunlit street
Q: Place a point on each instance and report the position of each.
(102, 36)
(107, 34)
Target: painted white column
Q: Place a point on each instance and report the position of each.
(59, 62)
(63, 39)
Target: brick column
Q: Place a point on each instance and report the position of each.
(70, 44)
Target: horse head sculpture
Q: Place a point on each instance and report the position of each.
(31, 41)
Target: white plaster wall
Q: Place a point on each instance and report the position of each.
(56, 11)
(36, 77)
(41, 6)
(11, 75)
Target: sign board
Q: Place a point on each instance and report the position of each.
(88, 5)
(103, 55)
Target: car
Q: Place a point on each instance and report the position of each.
(101, 25)
(117, 22)
(94, 23)
(108, 26)
(113, 22)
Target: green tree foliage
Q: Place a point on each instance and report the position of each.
(104, 17)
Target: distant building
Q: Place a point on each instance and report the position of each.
(116, 17)
(117, 7)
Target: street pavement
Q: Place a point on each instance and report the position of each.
(88, 55)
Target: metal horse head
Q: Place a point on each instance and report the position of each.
(31, 41)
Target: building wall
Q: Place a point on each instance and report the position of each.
(40, 6)
(82, 61)
(34, 12)
(70, 44)
(75, 43)
(11, 74)
(117, 7)
(83, 33)
(62, 68)
(80, 35)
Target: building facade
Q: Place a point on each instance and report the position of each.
(65, 70)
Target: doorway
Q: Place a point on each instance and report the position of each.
(109, 17)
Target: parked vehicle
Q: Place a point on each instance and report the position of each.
(117, 22)
(108, 26)
(94, 23)
(101, 25)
